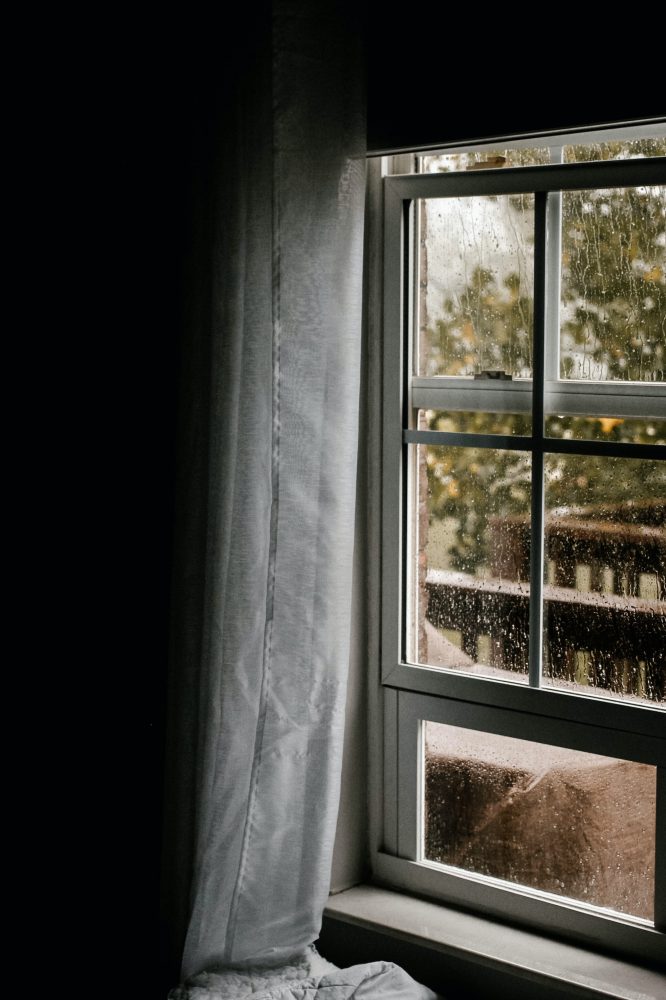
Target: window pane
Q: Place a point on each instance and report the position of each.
(605, 590)
(484, 159)
(627, 149)
(470, 589)
(613, 295)
(475, 298)
(632, 430)
(475, 422)
(575, 824)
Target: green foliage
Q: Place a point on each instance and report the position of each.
(614, 285)
(475, 484)
(487, 320)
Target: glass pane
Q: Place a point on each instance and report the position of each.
(484, 159)
(575, 824)
(475, 298)
(470, 590)
(632, 430)
(625, 150)
(605, 589)
(475, 422)
(613, 296)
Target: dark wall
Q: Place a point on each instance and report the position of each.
(147, 139)
(150, 144)
(440, 75)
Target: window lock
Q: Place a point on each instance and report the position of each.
(494, 373)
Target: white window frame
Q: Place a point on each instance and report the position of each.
(410, 693)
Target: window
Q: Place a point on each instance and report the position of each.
(524, 536)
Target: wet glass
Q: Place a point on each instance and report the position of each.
(613, 290)
(627, 149)
(486, 159)
(628, 430)
(475, 422)
(475, 286)
(605, 576)
(470, 569)
(575, 824)
(493, 159)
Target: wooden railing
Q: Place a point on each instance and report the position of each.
(599, 628)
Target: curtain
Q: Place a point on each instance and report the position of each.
(266, 505)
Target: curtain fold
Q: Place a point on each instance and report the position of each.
(265, 531)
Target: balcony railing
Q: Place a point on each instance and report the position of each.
(601, 628)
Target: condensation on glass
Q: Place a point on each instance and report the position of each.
(605, 576)
(578, 825)
(471, 590)
(613, 285)
(475, 286)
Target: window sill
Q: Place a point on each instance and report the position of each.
(478, 953)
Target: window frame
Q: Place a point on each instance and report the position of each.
(410, 693)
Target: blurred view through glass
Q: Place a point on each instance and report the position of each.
(575, 824)
(605, 524)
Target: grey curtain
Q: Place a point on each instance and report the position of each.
(266, 510)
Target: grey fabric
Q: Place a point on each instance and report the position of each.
(265, 522)
(308, 977)
(264, 545)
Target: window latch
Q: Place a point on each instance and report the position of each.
(494, 373)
